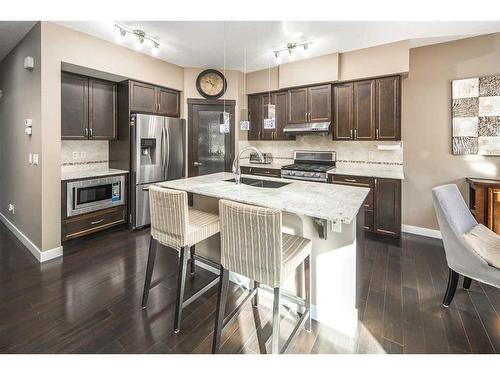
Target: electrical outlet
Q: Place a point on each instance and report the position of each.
(12, 208)
(83, 154)
(75, 155)
(35, 159)
(371, 155)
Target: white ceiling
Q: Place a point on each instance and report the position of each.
(201, 43)
(11, 32)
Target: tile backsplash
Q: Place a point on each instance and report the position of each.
(361, 154)
(84, 155)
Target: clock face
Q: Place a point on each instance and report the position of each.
(211, 84)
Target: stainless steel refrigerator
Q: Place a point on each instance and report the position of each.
(158, 154)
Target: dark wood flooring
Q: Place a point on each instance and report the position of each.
(89, 302)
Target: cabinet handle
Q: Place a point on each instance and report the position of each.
(351, 134)
(86, 132)
(259, 135)
(355, 133)
(350, 180)
(376, 133)
(91, 133)
(159, 107)
(96, 222)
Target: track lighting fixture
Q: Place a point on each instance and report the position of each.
(291, 47)
(141, 37)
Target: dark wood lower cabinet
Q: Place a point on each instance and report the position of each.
(82, 225)
(382, 205)
(258, 171)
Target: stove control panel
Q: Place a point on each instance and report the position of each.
(302, 175)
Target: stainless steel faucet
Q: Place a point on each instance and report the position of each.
(236, 162)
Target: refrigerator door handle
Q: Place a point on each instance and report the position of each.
(167, 151)
(162, 148)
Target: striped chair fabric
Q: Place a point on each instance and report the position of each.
(253, 245)
(174, 223)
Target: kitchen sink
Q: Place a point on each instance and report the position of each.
(260, 183)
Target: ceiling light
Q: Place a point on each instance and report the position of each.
(140, 35)
(291, 47)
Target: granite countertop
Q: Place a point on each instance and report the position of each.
(324, 201)
(89, 173)
(369, 172)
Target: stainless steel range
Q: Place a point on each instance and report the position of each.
(310, 166)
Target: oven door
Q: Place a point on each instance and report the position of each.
(92, 195)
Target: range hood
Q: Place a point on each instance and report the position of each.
(307, 128)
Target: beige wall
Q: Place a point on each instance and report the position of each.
(386, 59)
(427, 122)
(60, 44)
(309, 71)
(20, 183)
(262, 80)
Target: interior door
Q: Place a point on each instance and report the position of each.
(209, 150)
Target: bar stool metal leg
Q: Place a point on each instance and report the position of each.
(255, 300)
(192, 251)
(276, 322)
(149, 271)
(221, 308)
(307, 287)
(181, 282)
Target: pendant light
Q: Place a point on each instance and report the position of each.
(225, 116)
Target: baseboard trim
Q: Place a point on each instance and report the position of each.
(41, 256)
(421, 231)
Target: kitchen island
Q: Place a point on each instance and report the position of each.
(329, 215)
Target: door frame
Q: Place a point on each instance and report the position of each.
(230, 107)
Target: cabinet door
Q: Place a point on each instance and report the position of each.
(266, 134)
(143, 98)
(387, 206)
(168, 102)
(320, 103)
(388, 108)
(281, 101)
(343, 112)
(102, 109)
(297, 106)
(74, 106)
(364, 110)
(255, 117)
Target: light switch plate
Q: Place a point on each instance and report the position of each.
(30, 158)
(35, 159)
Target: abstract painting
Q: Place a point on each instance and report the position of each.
(475, 112)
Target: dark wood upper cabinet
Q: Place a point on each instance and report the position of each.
(143, 97)
(281, 101)
(364, 110)
(320, 103)
(74, 106)
(343, 111)
(148, 98)
(88, 108)
(297, 106)
(388, 108)
(102, 109)
(168, 102)
(255, 113)
(387, 201)
(266, 134)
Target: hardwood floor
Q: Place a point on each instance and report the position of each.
(90, 302)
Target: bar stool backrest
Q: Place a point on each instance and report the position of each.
(169, 216)
(251, 241)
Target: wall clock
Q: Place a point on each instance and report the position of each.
(211, 84)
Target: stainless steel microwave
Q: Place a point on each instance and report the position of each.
(95, 194)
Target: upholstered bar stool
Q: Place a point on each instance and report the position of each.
(176, 225)
(253, 245)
